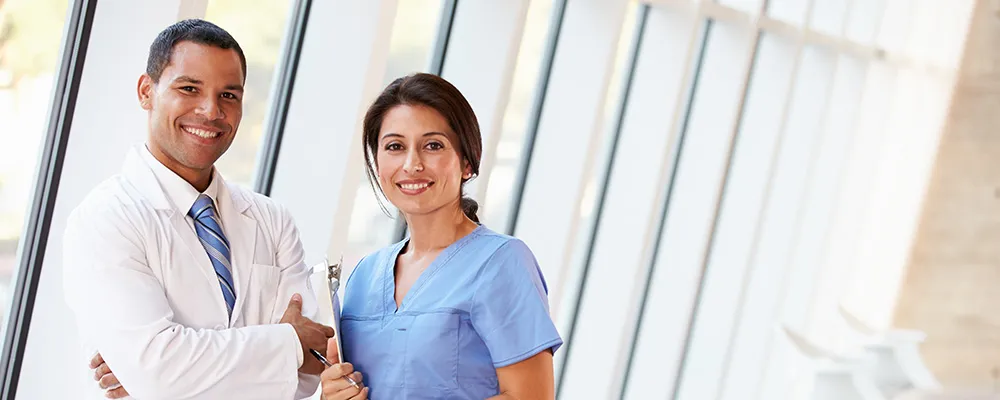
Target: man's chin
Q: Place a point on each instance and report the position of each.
(200, 163)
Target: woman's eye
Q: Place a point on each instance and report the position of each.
(393, 147)
(435, 146)
(229, 96)
(188, 89)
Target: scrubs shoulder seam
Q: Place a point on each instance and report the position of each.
(480, 272)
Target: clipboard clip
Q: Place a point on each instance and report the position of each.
(333, 270)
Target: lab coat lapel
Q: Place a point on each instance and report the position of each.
(141, 177)
(241, 229)
(137, 173)
(189, 240)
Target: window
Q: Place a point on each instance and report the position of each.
(515, 119)
(259, 26)
(30, 42)
(744, 194)
(686, 232)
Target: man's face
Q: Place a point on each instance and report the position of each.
(195, 108)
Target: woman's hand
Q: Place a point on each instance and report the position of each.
(335, 387)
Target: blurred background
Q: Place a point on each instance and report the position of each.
(730, 199)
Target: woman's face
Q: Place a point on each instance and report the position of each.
(419, 166)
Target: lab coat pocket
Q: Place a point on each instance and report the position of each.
(432, 351)
(261, 294)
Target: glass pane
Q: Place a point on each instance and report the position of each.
(828, 16)
(830, 176)
(496, 208)
(745, 193)
(564, 305)
(259, 26)
(894, 28)
(863, 20)
(413, 33)
(588, 203)
(745, 5)
(686, 233)
(30, 43)
(791, 11)
(758, 346)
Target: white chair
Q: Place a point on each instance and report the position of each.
(829, 376)
(898, 366)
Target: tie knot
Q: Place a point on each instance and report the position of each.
(202, 207)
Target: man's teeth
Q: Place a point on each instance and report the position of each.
(202, 133)
(413, 186)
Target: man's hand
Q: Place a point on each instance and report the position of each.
(106, 379)
(311, 335)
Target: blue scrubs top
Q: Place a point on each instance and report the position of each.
(480, 305)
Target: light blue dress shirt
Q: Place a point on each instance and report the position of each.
(480, 305)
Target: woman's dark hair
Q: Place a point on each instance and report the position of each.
(430, 91)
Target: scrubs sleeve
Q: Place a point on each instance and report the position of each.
(510, 308)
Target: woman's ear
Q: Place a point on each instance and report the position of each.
(466, 170)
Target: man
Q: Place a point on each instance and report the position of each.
(179, 281)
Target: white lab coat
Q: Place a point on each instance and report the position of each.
(146, 297)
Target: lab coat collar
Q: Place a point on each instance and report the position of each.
(166, 191)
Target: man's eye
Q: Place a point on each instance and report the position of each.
(229, 96)
(188, 88)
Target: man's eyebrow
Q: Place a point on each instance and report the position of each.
(188, 79)
(193, 81)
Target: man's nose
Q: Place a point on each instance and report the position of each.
(209, 107)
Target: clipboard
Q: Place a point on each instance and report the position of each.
(332, 277)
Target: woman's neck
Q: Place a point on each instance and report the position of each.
(437, 230)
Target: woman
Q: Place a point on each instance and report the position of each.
(455, 310)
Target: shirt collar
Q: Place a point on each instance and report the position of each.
(177, 190)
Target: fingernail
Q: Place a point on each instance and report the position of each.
(296, 297)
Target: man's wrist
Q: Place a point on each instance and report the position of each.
(299, 353)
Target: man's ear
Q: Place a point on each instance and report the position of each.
(144, 89)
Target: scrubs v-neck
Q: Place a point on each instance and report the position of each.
(481, 304)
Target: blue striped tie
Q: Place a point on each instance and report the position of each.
(209, 230)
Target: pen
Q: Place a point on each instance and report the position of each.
(328, 364)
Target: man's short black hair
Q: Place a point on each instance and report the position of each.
(192, 30)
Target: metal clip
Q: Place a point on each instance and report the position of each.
(333, 270)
